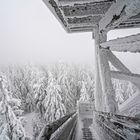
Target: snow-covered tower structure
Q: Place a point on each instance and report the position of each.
(99, 17)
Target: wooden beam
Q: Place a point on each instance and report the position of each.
(134, 78)
(120, 66)
(120, 11)
(72, 2)
(129, 43)
(104, 89)
(133, 22)
(107, 88)
(80, 29)
(53, 6)
(86, 8)
(116, 62)
(99, 102)
(78, 2)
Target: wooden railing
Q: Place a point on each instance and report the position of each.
(55, 130)
(118, 127)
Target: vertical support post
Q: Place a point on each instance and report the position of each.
(98, 88)
(104, 92)
(107, 87)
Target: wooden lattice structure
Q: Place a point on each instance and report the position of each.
(99, 17)
(85, 15)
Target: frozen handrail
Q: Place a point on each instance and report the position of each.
(118, 125)
(49, 129)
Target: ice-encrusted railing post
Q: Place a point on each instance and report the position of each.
(104, 92)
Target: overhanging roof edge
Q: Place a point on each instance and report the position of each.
(55, 11)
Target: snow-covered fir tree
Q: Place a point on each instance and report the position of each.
(88, 79)
(49, 95)
(123, 90)
(53, 104)
(67, 95)
(39, 85)
(84, 95)
(11, 127)
(19, 79)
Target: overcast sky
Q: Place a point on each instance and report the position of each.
(30, 33)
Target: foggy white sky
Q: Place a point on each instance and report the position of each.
(30, 33)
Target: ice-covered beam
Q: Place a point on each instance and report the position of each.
(116, 62)
(80, 28)
(120, 66)
(92, 20)
(134, 78)
(104, 92)
(86, 8)
(130, 43)
(99, 100)
(54, 8)
(107, 88)
(79, 2)
(133, 22)
(120, 11)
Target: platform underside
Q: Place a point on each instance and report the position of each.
(84, 15)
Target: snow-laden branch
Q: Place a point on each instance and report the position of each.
(129, 43)
(120, 11)
(126, 76)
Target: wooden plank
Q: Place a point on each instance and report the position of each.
(125, 127)
(133, 22)
(73, 2)
(120, 11)
(78, 29)
(86, 8)
(126, 76)
(65, 134)
(129, 43)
